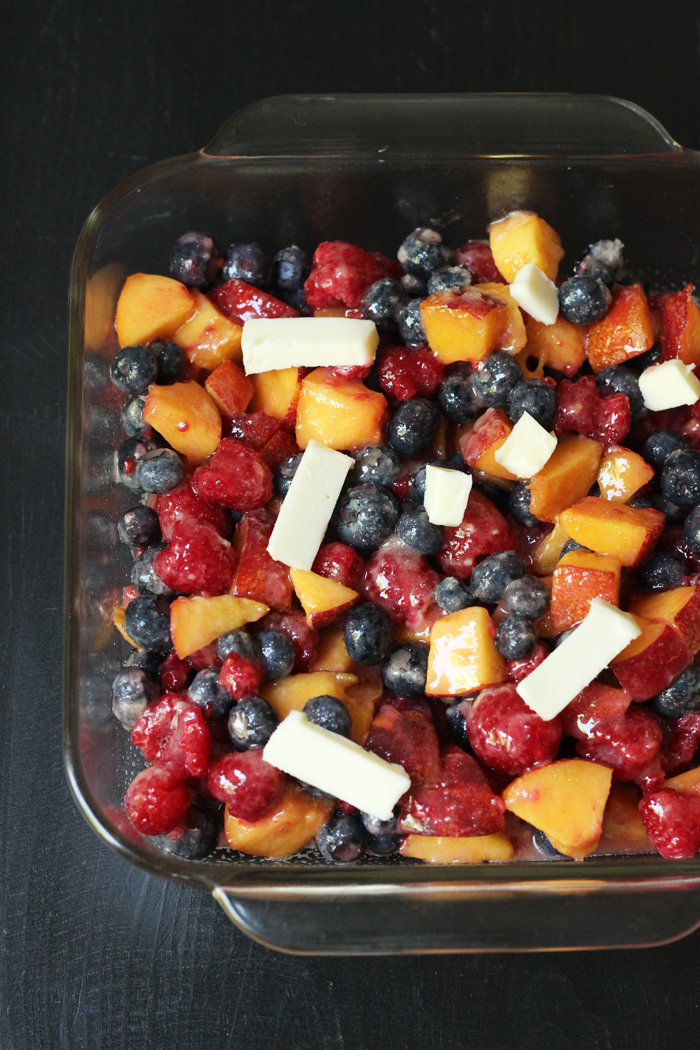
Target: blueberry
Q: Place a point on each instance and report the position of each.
(196, 841)
(366, 516)
(496, 378)
(414, 285)
(662, 572)
(290, 268)
(160, 470)
(680, 478)
(134, 369)
(691, 531)
(682, 696)
(148, 662)
(329, 713)
(132, 419)
(130, 452)
(645, 360)
(563, 637)
(423, 252)
(406, 670)
(382, 301)
(452, 595)
(170, 357)
(297, 300)
(571, 545)
(343, 839)
(537, 398)
(609, 253)
(457, 399)
(675, 515)
(375, 465)
(410, 323)
(519, 505)
(208, 695)
(238, 642)
(659, 446)
(277, 654)
(491, 576)
(545, 847)
(376, 826)
(383, 837)
(643, 502)
(456, 715)
(450, 277)
(515, 638)
(417, 489)
(251, 723)
(249, 263)
(143, 575)
(147, 622)
(132, 692)
(285, 473)
(590, 267)
(584, 300)
(527, 596)
(194, 259)
(620, 379)
(418, 532)
(413, 426)
(139, 526)
(368, 634)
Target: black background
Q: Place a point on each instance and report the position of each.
(93, 953)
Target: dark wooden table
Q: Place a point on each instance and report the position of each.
(94, 954)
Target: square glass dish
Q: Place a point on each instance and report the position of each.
(366, 169)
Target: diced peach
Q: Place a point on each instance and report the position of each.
(186, 416)
(652, 660)
(276, 393)
(151, 307)
(322, 599)
(626, 330)
(229, 388)
(118, 621)
(195, 622)
(371, 689)
(562, 344)
(566, 476)
(340, 413)
(480, 445)
(295, 820)
(523, 237)
(101, 296)
(292, 692)
(679, 607)
(463, 655)
(332, 653)
(463, 326)
(208, 337)
(627, 533)
(621, 474)
(513, 335)
(258, 576)
(566, 800)
(438, 449)
(532, 364)
(436, 849)
(680, 327)
(578, 579)
(547, 553)
(686, 783)
(622, 821)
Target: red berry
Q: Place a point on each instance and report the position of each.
(404, 374)
(201, 659)
(460, 803)
(408, 738)
(174, 673)
(477, 257)
(173, 730)
(341, 273)
(280, 446)
(359, 372)
(581, 408)
(507, 735)
(197, 560)
(181, 504)
(614, 419)
(338, 561)
(241, 302)
(156, 799)
(248, 784)
(672, 822)
(253, 428)
(235, 476)
(240, 677)
(627, 745)
(681, 737)
(401, 485)
(304, 638)
(401, 581)
(484, 530)
(516, 670)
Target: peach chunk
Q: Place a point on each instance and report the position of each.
(340, 413)
(276, 393)
(652, 660)
(463, 655)
(680, 327)
(229, 388)
(332, 653)
(523, 237)
(195, 622)
(679, 607)
(292, 692)
(258, 576)
(562, 345)
(322, 599)
(622, 821)
(566, 476)
(186, 416)
(436, 849)
(627, 533)
(295, 820)
(545, 556)
(686, 783)
(465, 325)
(208, 337)
(566, 800)
(513, 335)
(626, 330)
(578, 578)
(621, 474)
(118, 621)
(480, 445)
(151, 307)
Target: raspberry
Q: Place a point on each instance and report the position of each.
(484, 530)
(241, 302)
(407, 737)
(460, 803)
(156, 799)
(181, 504)
(516, 670)
(201, 659)
(477, 257)
(248, 784)
(507, 735)
(174, 673)
(173, 730)
(253, 429)
(196, 561)
(581, 408)
(338, 561)
(235, 476)
(404, 374)
(680, 742)
(401, 581)
(672, 822)
(304, 638)
(240, 677)
(627, 744)
(341, 273)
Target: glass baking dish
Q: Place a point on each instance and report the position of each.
(368, 169)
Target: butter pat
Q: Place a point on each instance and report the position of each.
(334, 764)
(308, 506)
(534, 291)
(669, 385)
(307, 342)
(446, 495)
(527, 448)
(579, 659)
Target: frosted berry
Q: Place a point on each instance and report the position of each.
(382, 301)
(343, 839)
(449, 277)
(197, 560)
(492, 575)
(418, 532)
(194, 838)
(537, 398)
(452, 595)
(139, 527)
(147, 622)
(519, 505)
(247, 262)
(663, 571)
(235, 476)
(527, 596)
(516, 638)
(496, 378)
(457, 399)
(144, 577)
(329, 713)
(413, 426)
(276, 653)
(584, 300)
(239, 642)
(368, 634)
(620, 379)
(194, 259)
(423, 252)
(682, 696)
(366, 516)
(680, 478)
(406, 670)
(160, 471)
(375, 465)
(290, 268)
(251, 723)
(659, 446)
(132, 691)
(410, 323)
(133, 369)
(208, 695)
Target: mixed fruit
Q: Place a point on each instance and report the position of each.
(408, 637)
